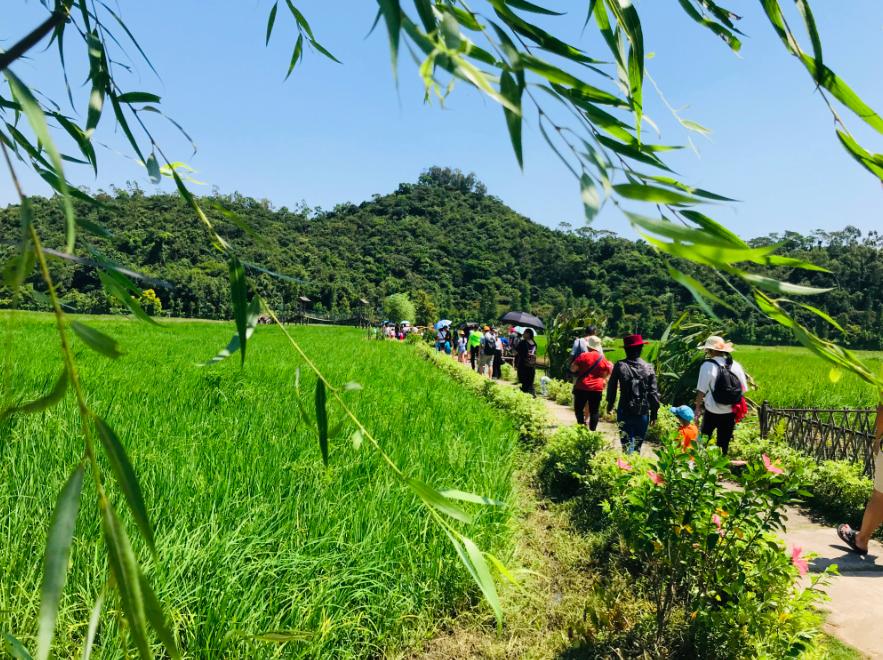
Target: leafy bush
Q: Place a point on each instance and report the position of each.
(836, 489)
(508, 372)
(666, 426)
(560, 391)
(710, 552)
(565, 460)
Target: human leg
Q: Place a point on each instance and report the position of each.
(639, 431)
(725, 427)
(580, 397)
(594, 404)
(709, 425)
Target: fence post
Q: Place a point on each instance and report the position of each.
(764, 414)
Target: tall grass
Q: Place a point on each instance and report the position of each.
(253, 534)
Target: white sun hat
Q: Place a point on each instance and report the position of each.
(594, 343)
(715, 343)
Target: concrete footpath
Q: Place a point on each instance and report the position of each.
(855, 605)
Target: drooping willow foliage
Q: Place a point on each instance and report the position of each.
(588, 106)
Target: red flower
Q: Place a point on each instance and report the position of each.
(623, 465)
(655, 477)
(716, 520)
(801, 564)
(768, 464)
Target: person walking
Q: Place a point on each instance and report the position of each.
(526, 362)
(687, 430)
(722, 384)
(638, 404)
(462, 346)
(592, 370)
(488, 350)
(498, 355)
(857, 539)
(474, 347)
(581, 344)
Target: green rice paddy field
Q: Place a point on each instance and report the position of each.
(253, 533)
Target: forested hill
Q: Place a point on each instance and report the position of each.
(457, 251)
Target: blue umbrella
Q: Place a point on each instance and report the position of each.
(442, 324)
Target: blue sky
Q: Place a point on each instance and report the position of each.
(334, 133)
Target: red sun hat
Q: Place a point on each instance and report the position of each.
(630, 341)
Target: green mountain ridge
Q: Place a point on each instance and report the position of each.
(457, 251)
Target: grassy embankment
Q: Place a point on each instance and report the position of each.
(253, 533)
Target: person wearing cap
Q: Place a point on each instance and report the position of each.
(638, 404)
(687, 430)
(717, 369)
(592, 371)
(487, 352)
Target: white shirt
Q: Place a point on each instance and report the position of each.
(707, 377)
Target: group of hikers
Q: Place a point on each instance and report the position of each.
(485, 349)
(633, 392)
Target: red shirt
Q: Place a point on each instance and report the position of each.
(596, 379)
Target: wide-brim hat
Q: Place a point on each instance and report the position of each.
(594, 343)
(715, 343)
(630, 341)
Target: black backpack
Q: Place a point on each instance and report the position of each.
(633, 401)
(727, 388)
(489, 346)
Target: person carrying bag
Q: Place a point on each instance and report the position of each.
(592, 370)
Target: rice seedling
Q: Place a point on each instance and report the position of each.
(261, 550)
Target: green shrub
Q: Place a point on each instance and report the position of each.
(838, 489)
(565, 461)
(710, 552)
(508, 372)
(560, 391)
(666, 426)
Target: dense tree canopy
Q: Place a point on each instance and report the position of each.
(457, 251)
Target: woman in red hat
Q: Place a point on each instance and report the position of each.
(638, 394)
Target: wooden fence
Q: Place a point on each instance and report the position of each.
(824, 434)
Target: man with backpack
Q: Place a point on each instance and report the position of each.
(638, 394)
(488, 350)
(722, 384)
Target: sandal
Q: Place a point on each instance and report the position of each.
(847, 534)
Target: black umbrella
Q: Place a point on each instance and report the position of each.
(523, 318)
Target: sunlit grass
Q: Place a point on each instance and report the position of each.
(253, 533)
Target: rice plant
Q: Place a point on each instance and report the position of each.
(258, 544)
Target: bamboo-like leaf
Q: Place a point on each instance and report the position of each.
(138, 97)
(784, 288)
(120, 287)
(239, 300)
(92, 629)
(98, 75)
(254, 313)
(124, 568)
(590, 196)
(794, 262)
(436, 500)
(871, 162)
(37, 120)
(652, 194)
(392, 15)
(322, 419)
(97, 340)
(126, 479)
(713, 227)
(722, 31)
(153, 169)
(454, 494)
(810, 22)
(512, 91)
(157, 618)
(55, 395)
(484, 578)
(15, 648)
(271, 21)
(700, 294)
(55, 560)
(628, 19)
(531, 7)
(295, 55)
